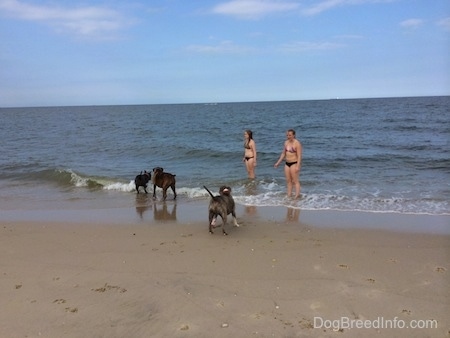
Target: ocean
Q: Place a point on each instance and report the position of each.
(378, 155)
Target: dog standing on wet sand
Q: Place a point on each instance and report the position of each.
(221, 205)
(141, 180)
(164, 181)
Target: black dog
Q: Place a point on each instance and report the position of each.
(221, 205)
(164, 181)
(141, 180)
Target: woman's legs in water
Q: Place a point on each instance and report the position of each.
(292, 179)
(250, 165)
(287, 173)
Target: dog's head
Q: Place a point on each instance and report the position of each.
(225, 190)
(145, 176)
(158, 170)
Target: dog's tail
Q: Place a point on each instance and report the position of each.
(208, 191)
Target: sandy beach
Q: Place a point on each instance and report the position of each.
(271, 277)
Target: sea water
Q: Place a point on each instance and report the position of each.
(385, 155)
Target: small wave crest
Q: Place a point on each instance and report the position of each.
(69, 178)
(318, 201)
(119, 186)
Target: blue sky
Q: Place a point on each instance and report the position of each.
(92, 52)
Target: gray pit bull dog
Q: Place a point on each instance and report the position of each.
(221, 205)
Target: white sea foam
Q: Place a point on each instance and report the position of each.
(118, 186)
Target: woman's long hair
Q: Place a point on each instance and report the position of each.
(250, 137)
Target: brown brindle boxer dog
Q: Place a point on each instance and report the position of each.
(163, 180)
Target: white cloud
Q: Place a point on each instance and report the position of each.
(326, 5)
(444, 23)
(323, 6)
(88, 21)
(224, 47)
(228, 47)
(304, 46)
(349, 37)
(411, 23)
(253, 9)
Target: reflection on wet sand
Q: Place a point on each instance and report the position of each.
(142, 204)
(251, 210)
(292, 214)
(161, 210)
(251, 189)
(163, 214)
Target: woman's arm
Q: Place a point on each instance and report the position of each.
(299, 155)
(253, 148)
(283, 154)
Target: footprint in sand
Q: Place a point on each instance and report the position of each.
(59, 301)
(319, 268)
(440, 269)
(314, 306)
(257, 315)
(305, 324)
(343, 266)
(107, 287)
(374, 294)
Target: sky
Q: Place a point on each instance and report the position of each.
(108, 52)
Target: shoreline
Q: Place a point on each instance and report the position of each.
(145, 210)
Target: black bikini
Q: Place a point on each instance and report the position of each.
(247, 146)
(290, 163)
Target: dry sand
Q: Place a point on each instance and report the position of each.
(267, 278)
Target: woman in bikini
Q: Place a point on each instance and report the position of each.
(292, 152)
(249, 153)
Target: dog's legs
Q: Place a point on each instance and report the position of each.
(164, 193)
(224, 219)
(154, 190)
(212, 222)
(174, 192)
(145, 188)
(234, 219)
